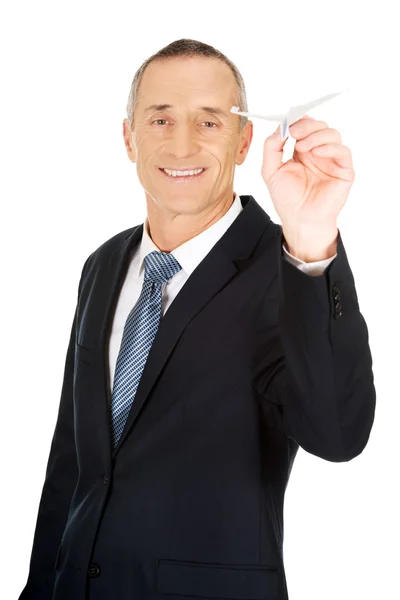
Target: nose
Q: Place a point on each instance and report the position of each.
(183, 142)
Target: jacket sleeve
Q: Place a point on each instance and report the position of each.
(324, 383)
(60, 480)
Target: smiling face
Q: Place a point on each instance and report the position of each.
(182, 122)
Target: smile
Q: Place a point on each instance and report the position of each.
(183, 175)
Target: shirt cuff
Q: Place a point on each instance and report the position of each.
(312, 268)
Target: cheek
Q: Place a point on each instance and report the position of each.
(146, 150)
(223, 148)
(226, 156)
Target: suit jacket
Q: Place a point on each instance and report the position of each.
(252, 360)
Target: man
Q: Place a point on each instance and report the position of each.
(245, 336)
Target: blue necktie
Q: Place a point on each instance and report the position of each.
(139, 332)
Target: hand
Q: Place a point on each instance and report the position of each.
(310, 189)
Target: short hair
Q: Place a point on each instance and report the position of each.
(188, 48)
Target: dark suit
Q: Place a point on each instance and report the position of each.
(252, 359)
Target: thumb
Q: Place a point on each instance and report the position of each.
(273, 154)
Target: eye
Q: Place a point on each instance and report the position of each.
(209, 124)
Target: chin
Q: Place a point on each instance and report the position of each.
(181, 203)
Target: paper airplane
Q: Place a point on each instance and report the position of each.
(294, 113)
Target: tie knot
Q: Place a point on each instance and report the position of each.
(160, 267)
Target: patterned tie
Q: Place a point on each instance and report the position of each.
(139, 332)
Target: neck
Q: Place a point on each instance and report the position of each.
(169, 229)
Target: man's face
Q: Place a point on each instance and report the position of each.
(186, 135)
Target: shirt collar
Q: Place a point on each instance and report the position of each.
(191, 253)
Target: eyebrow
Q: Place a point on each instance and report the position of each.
(210, 109)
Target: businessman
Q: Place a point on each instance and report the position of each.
(208, 344)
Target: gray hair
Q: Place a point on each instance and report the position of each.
(188, 48)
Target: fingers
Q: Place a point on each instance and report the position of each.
(305, 126)
(318, 138)
(341, 154)
(321, 140)
(310, 135)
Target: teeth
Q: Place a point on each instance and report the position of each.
(182, 173)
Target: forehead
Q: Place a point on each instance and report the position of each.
(183, 79)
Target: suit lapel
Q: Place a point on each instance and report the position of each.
(105, 279)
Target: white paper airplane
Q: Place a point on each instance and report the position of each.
(294, 113)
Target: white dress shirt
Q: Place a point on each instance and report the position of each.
(189, 255)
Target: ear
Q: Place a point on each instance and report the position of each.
(244, 145)
(129, 145)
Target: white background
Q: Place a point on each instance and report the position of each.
(67, 185)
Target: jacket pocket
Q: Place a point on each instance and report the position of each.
(208, 580)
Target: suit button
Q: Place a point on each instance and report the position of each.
(94, 570)
(105, 480)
